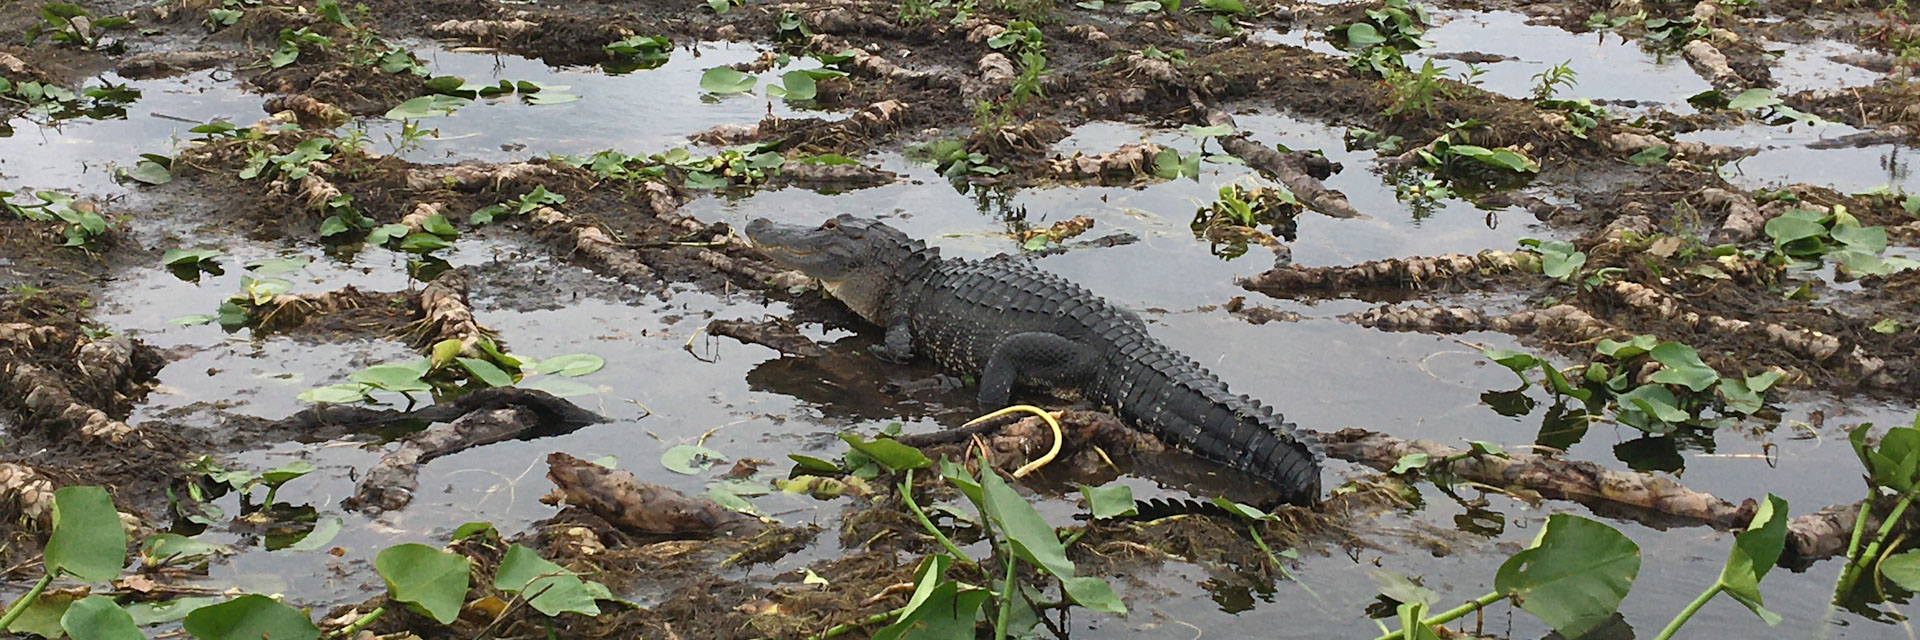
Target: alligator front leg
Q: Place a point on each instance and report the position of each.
(898, 348)
(1032, 357)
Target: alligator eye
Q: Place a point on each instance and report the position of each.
(829, 224)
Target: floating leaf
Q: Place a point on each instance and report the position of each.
(561, 387)
(98, 618)
(150, 172)
(813, 464)
(726, 80)
(399, 378)
(1400, 588)
(432, 580)
(486, 372)
(278, 266)
(1753, 99)
(427, 107)
(250, 617)
(570, 365)
(1503, 158)
(164, 611)
(551, 98)
(173, 548)
(335, 394)
(1409, 462)
(323, 532)
(1110, 501)
(471, 529)
(1574, 576)
(175, 257)
(690, 459)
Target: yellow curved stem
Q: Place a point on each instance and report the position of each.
(1044, 415)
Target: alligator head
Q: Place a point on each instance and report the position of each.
(860, 261)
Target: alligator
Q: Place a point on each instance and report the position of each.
(1005, 322)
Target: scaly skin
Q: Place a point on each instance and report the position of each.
(1009, 323)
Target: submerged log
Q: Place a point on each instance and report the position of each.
(772, 333)
(1302, 172)
(622, 499)
(484, 417)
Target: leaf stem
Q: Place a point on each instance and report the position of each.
(1453, 614)
(839, 629)
(20, 606)
(906, 496)
(1856, 563)
(361, 623)
(1692, 607)
(1006, 602)
(1277, 564)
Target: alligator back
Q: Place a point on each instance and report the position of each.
(963, 309)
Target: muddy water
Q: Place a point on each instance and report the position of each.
(665, 385)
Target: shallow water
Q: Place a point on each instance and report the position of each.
(647, 110)
(1608, 67)
(1786, 156)
(664, 385)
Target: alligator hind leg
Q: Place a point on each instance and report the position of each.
(1031, 358)
(898, 348)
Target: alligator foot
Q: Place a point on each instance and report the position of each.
(939, 383)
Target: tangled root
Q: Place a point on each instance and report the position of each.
(1395, 272)
(1562, 319)
(1126, 163)
(26, 492)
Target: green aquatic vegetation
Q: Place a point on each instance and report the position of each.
(726, 80)
(445, 370)
(69, 24)
(1397, 24)
(1412, 91)
(1551, 81)
(1761, 102)
(87, 544)
(1559, 259)
(1807, 236)
(342, 217)
(1582, 114)
(425, 579)
(83, 223)
(292, 42)
(538, 197)
(638, 52)
(1578, 571)
(952, 158)
(1444, 155)
(1679, 393)
(153, 169)
(547, 587)
(1893, 470)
